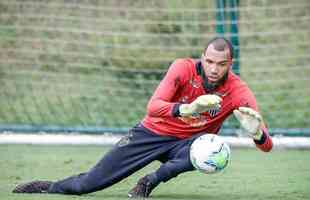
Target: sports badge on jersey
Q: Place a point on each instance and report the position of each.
(194, 84)
(214, 112)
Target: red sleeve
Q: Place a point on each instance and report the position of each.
(160, 104)
(246, 98)
(265, 144)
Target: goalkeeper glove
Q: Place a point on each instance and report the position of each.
(202, 104)
(250, 121)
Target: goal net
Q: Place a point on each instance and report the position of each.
(92, 65)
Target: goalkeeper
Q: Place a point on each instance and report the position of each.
(194, 98)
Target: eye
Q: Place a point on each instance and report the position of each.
(209, 61)
(223, 64)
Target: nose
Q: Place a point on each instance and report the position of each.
(213, 68)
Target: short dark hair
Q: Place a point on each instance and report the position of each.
(220, 44)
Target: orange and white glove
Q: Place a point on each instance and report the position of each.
(201, 104)
(250, 121)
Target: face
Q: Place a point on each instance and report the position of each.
(216, 64)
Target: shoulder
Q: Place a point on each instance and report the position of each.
(241, 94)
(183, 67)
(184, 64)
(235, 83)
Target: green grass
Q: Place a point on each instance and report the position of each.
(282, 174)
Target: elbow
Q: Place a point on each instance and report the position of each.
(150, 112)
(150, 109)
(159, 108)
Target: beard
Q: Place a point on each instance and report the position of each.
(210, 86)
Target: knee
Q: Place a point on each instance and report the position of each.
(183, 165)
(173, 168)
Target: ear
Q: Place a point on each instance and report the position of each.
(230, 63)
(202, 59)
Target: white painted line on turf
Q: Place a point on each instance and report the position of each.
(110, 139)
(70, 138)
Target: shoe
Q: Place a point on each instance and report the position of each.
(33, 187)
(143, 188)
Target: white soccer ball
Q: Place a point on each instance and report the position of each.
(209, 154)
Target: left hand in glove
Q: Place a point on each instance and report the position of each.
(250, 120)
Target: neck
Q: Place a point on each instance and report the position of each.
(208, 86)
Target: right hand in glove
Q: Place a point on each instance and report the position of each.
(251, 121)
(202, 104)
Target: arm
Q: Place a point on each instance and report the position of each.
(265, 143)
(252, 122)
(160, 104)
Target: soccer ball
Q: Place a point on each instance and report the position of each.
(209, 154)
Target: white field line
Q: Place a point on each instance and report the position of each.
(65, 138)
(110, 139)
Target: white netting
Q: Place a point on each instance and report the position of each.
(95, 63)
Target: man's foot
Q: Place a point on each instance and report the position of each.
(33, 187)
(143, 188)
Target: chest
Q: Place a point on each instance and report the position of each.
(190, 91)
(194, 88)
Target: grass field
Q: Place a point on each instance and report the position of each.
(282, 174)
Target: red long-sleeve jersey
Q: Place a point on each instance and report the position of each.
(183, 83)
